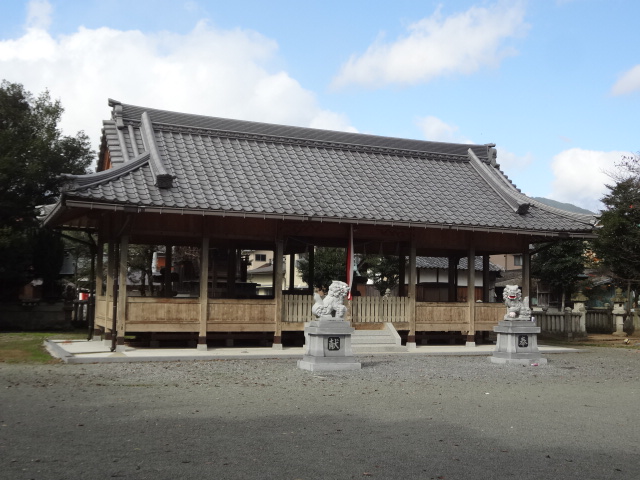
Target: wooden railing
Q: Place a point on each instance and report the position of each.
(488, 315)
(182, 314)
(297, 308)
(429, 315)
(442, 316)
(379, 309)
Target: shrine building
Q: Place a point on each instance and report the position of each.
(207, 189)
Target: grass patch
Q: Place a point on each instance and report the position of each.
(26, 347)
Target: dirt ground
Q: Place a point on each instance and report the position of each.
(401, 416)
(608, 340)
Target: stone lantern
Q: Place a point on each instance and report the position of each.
(618, 312)
(579, 300)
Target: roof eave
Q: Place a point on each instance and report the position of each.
(114, 207)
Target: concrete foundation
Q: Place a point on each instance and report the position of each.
(517, 343)
(329, 347)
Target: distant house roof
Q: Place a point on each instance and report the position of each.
(265, 268)
(443, 263)
(510, 277)
(167, 161)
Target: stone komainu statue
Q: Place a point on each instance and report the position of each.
(516, 308)
(331, 307)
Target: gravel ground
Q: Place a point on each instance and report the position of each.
(398, 417)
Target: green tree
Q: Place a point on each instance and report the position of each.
(618, 242)
(141, 261)
(33, 155)
(383, 270)
(560, 265)
(329, 264)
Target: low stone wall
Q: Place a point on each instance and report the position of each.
(41, 316)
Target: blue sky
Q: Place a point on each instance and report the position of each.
(554, 83)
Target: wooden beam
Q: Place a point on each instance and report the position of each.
(312, 267)
(402, 271)
(292, 271)
(413, 273)
(204, 292)
(122, 292)
(99, 279)
(452, 294)
(168, 263)
(471, 294)
(485, 279)
(231, 272)
(111, 268)
(526, 273)
(277, 291)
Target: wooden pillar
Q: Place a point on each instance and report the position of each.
(109, 297)
(204, 293)
(231, 272)
(413, 273)
(292, 271)
(99, 282)
(91, 305)
(452, 295)
(114, 308)
(215, 261)
(122, 293)
(277, 292)
(526, 273)
(312, 266)
(168, 264)
(485, 279)
(471, 294)
(243, 264)
(402, 272)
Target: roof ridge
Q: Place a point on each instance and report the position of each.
(504, 190)
(163, 179)
(518, 200)
(81, 182)
(177, 120)
(317, 143)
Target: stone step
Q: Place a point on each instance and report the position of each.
(358, 349)
(358, 340)
(372, 333)
(370, 341)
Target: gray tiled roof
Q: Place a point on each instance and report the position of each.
(211, 164)
(443, 263)
(267, 268)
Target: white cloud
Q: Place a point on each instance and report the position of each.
(580, 176)
(628, 82)
(208, 71)
(510, 162)
(436, 130)
(39, 14)
(461, 43)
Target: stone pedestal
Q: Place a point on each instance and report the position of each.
(328, 347)
(517, 343)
